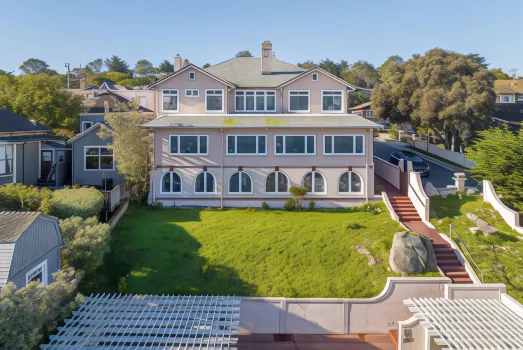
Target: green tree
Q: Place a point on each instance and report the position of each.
(362, 74)
(95, 66)
(391, 66)
(3, 72)
(329, 66)
(186, 62)
(207, 65)
(35, 66)
(499, 74)
(447, 92)
(478, 59)
(307, 64)
(244, 53)
(116, 64)
(166, 67)
(497, 154)
(144, 68)
(358, 97)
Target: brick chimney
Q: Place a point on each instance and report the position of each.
(177, 62)
(267, 57)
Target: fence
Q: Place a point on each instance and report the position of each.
(389, 172)
(458, 158)
(112, 198)
(510, 216)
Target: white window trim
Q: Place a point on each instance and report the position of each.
(254, 110)
(193, 74)
(177, 110)
(313, 178)
(360, 193)
(188, 154)
(236, 145)
(204, 182)
(85, 122)
(223, 100)
(192, 96)
(315, 75)
(170, 174)
(367, 113)
(344, 154)
(43, 266)
(509, 98)
(294, 154)
(240, 183)
(99, 156)
(276, 183)
(299, 111)
(13, 172)
(342, 102)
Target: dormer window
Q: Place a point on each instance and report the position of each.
(192, 75)
(314, 76)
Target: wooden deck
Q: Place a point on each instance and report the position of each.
(315, 342)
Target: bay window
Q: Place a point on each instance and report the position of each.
(256, 101)
(6, 159)
(247, 144)
(344, 144)
(188, 144)
(170, 100)
(214, 100)
(331, 101)
(299, 100)
(295, 144)
(98, 158)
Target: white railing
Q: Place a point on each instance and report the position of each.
(112, 198)
(458, 158)
(389, 172)
(418, 197)
(386, 200)
(510, 216)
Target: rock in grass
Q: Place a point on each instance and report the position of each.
(411, 254)
(361, 250)
(482, 225)
(430, 190)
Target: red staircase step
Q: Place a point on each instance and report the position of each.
(456, 274)
(393, 336)
(447, 262)
(462, 280)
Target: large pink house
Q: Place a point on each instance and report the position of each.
(243, 131)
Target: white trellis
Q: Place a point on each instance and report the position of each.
(151, 322)
(469, 323)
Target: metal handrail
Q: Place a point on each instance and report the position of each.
(452, 228)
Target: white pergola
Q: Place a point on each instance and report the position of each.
(111, 321)
(469, 323)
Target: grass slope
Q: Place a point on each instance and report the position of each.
(499, 256)
(243, 252)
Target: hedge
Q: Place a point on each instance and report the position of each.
(83, 202)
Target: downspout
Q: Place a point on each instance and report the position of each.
(223, 159)
(281, 100)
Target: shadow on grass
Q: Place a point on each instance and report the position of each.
(157, 256)
(449, 207)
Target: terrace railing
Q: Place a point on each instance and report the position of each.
(456, 233)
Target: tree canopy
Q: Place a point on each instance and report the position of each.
(36, 66)
(390, 67)
(244, 53)
(499, 74)
(95, 66)
(144, 68)
(448, 92)
(207, 65)
(166, 67)
(116, 64)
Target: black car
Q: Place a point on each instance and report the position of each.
(418, 164)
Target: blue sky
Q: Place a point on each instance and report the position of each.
(59, 31)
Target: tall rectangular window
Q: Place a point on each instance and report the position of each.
(214, 100)
(6, 159)
(258, 101)
(170, 100)
(247, 144)
(295, 144)
(299, 101)
(344, 144)
(188, 144)
(98, 158)
(331, 101)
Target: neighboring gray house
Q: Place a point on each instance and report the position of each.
(30, 245)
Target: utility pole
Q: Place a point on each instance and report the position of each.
(513, 71)
(67, 65)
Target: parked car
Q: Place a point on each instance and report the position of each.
(418, 164)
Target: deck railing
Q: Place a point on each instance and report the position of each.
(111, 198)
(453, 229)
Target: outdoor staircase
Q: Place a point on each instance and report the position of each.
(445, 257)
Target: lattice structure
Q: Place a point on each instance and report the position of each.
(151, 322)
(469, 323)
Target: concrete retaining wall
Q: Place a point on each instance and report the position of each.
(455, 157)
(510, 216)
(388, 171)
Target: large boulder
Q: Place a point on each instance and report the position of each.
(411, 254)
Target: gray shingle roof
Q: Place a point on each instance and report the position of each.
(11, 122)
(14, 223)
(246, 72)
(6, 256)
(268, 121)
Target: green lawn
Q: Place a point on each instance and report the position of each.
(244, 252)
(499, 256)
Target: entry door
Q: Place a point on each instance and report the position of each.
(47, 163)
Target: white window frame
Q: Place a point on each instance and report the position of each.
(99, 159)
(343, 154)
(223, 101)
(236, 145)
(188, 154)
(205, 173)
(351, 193)
(369, 113)
(192, 95)
(13, 159)
(295, 154)
(240, 183)
(170, 174)
(193, 73)
(315, 77)
(276, 183)
(299, 111)
(313, 181)
(245, 101)
(509, 98)
(177, 110)
(85, 122)
(43, 266)
(342, 109)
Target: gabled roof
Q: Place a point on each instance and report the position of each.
(108, 85)
(509, 86)
(318, 69)
(85, 132)
(37, 137)
(14, 223)
(11, 122)
(192, 66)
(120, 98)
(362, 106)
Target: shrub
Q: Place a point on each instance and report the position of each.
(290, 205)
(312, 205)
(157, 206)
(210, 209)
(22, 197)
(122, 285)
(393, 131)
(249, 209)
(265, 206)
(83, 202)
(298, 193)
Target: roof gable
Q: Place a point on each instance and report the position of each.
(14, 223)
(11, 122)
(324, 72)
(85, 132)
(191, 66)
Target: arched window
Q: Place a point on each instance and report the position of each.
(350, 182)
(315, 182)
(171, 183)
(240, 182)
(277, 182)
(204, 183)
